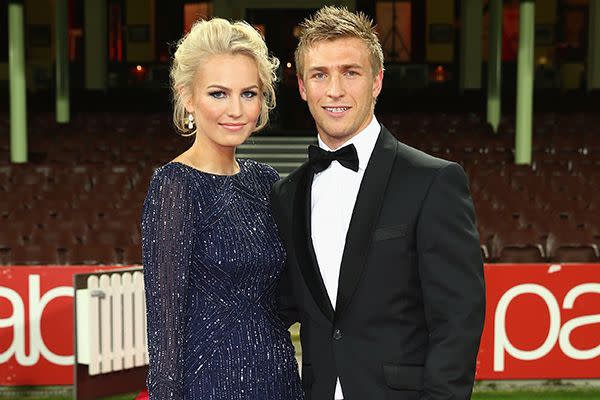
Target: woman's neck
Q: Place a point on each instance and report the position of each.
(210, 157)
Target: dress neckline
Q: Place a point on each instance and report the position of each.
(240, 161)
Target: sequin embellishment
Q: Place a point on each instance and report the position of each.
(212, 258)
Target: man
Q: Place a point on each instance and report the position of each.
(384, 268)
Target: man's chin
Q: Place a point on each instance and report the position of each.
(335, 138)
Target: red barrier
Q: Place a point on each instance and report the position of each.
(542, 322)
(36, 324)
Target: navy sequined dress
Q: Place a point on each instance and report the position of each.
(212, 258)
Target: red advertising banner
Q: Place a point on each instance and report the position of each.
(542, 322)
(36, 324)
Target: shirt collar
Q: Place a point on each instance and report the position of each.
(364, 142)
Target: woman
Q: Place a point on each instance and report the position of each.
(211, 252)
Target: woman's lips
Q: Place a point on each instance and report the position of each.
(233, 126)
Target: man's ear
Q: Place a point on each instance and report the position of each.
(301, 87)
(377, 83)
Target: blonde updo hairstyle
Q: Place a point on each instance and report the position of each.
(220, 36)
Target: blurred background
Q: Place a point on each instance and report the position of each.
(119, 52)
(509, 89)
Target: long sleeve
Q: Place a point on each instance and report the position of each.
(167, 232)
(451, 272)
(287, 308)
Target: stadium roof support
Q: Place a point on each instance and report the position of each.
(494, 95)
(95, 44)
(593, 64)
(62, 62)
(18, 89)
(525, 82)
(470, 44)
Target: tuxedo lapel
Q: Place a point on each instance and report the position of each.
(305, 253)
(364, 216)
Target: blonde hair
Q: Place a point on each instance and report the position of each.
(220, 36)
(330, 23)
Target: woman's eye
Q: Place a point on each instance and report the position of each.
(249, 94)
(218, 94)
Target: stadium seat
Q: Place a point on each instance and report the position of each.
(37, 254)
(132, 255)
(574, 245)
(11, 237)
(62, 238)
(518, 247)
(92, 254)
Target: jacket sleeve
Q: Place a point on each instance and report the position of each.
(167, 231)
(288, 310)
(451, 272)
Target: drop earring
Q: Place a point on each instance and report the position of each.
(190, 122)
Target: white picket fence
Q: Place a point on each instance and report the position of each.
(111, 322)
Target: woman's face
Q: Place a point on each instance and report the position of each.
(226, 99)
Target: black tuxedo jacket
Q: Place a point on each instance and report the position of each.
(411, 298)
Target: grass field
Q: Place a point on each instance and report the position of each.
(539, 395)
(516, 395)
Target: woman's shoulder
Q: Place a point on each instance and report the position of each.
(172, 169)
(172, 174)
(261, 170)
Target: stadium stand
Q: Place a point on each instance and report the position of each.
(79, 199)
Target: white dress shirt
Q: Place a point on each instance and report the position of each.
(333, 195)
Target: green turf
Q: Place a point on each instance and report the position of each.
(516, 395)
(545, 395)
(550, 393)
(124, 397)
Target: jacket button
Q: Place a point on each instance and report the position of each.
(337, 334)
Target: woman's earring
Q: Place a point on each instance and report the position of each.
(190, 122)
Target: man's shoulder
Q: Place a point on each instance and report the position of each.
(419, 158)
(415, 158)
(292, 177)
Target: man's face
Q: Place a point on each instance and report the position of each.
(340, 88)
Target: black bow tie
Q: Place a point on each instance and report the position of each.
(321, 159)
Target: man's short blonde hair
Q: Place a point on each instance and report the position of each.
(219, 36)
(330, 23)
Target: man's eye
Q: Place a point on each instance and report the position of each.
(319, 75)
(218, 94)
(352, 73)
(249, 94)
